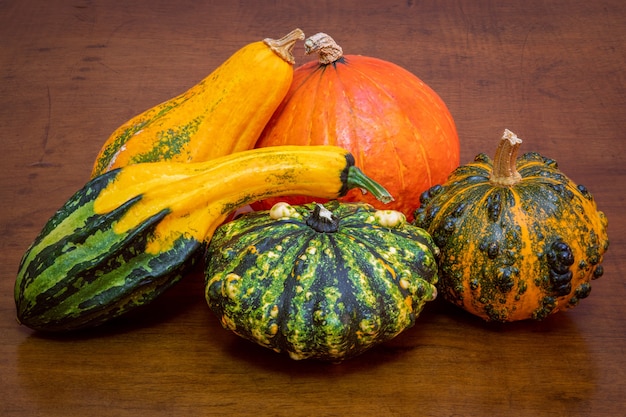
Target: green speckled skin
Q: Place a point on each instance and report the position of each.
(173, 140)
(327, 296)
(79, 273)
(514, 252)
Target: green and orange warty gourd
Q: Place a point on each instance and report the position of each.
(518, 238)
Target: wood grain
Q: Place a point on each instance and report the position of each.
(553, 72)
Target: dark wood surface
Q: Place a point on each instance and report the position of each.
(553, 72)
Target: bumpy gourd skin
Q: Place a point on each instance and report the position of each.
(514, 252)
(327, 295)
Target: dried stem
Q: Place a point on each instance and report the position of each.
(325, 46)
(504, 170)
(283, 47)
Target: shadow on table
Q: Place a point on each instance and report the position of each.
(449, 363)
(451, 360)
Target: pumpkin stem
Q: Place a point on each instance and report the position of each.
(504, 170)
(283, 47)
(322, 220)
(325, 46)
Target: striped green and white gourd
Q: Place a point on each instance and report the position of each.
(80, 272)
(320, 282)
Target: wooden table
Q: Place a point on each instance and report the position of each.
(553, 72)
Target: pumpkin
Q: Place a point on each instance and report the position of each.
(399, 130)
(518, 238)
(222, 114)
(129, 234)
(317, 281)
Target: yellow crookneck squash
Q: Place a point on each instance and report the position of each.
(222, 114)
(129, 234)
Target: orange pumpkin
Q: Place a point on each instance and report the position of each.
(398, 129)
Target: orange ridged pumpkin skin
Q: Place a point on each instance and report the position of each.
(398, 129)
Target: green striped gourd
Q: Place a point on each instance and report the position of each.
(129, 234)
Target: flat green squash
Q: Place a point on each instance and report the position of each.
(320, 282)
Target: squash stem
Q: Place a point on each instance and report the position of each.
(357, 179)
(283, 47)
(322, 220)
(326, 47)
(504, 170)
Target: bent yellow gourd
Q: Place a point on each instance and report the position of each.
(129, 234)
(222, 114)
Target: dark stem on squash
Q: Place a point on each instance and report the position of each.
(325, 46)
(323, 220)
(504, 171)
(283, 47)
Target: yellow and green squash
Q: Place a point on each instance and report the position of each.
(129, 234)
(222, 114)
